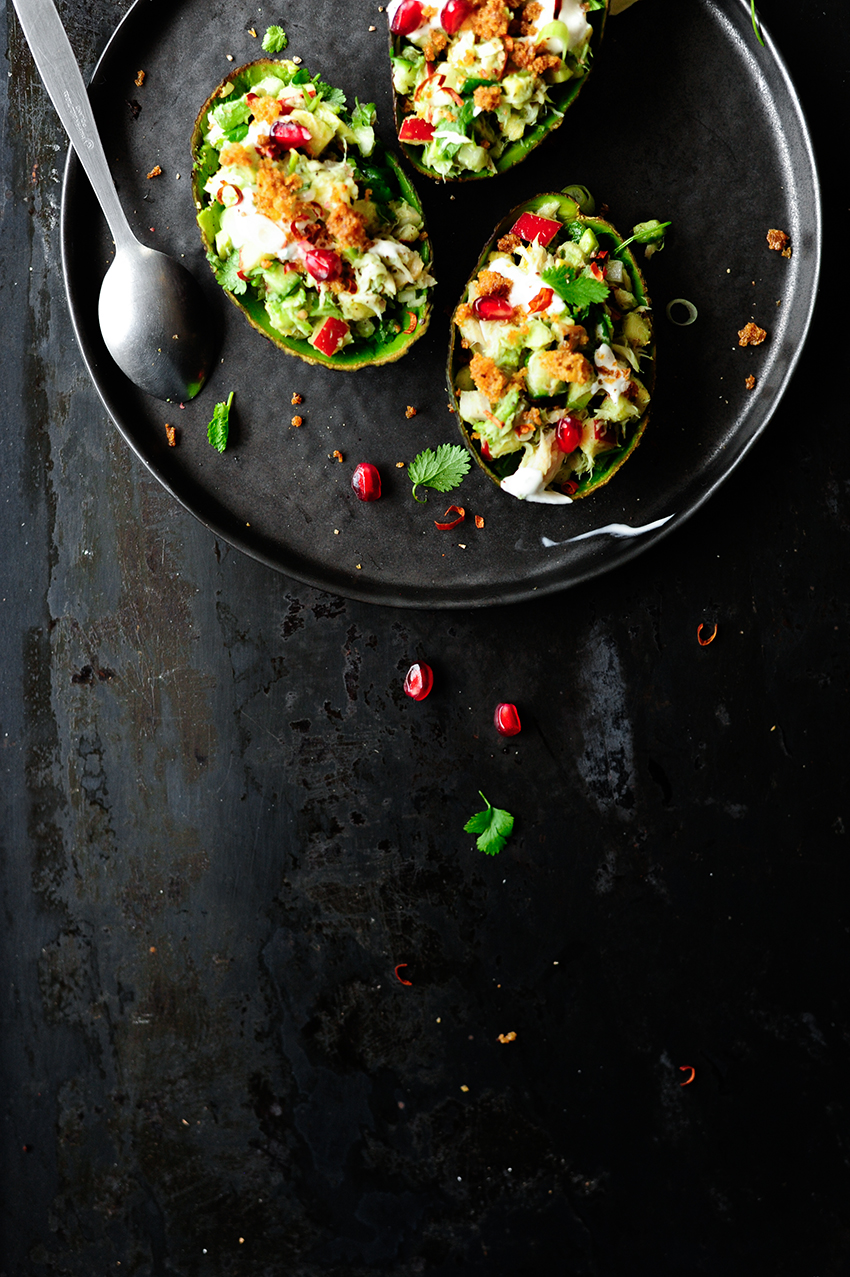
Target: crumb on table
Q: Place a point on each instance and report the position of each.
(751, 335)
(156, 171)
(479, 520)
(779, 242)
(298, 421)
(337, 455)
(140, 79)
(171, 435)
(409, 411)
(296, 399)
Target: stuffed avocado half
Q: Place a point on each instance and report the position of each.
(479, 83)
(552, 357)
(310, 226)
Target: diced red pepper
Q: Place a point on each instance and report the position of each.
(414, 130)
(534, 229)
(330, 336)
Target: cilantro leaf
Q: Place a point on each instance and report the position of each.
(578, 293)
(218, 427)
(335, 98)
(494, 827)
(274, 41)
(441, 470)
(227, 272)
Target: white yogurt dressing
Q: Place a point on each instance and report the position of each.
(525, 285)
(613, 376)
(527, 484)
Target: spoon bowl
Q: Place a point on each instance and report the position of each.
(155, 322)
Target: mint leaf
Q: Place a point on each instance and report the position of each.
(441, 470)
(578, 293)
(494, 827)
(227, 272)
(218, 428)
(274, 41)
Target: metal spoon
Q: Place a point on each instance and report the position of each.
(153, 316)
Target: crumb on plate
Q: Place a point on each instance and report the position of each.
(750, 382)
(751, 335)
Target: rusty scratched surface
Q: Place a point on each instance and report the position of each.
(224, 825)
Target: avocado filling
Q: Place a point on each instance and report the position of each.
(556, 352)
(303, 212)
(478, 76)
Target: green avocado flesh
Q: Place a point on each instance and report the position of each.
(492, 90)
(312, 229)
(552, 356)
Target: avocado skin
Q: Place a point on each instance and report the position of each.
(563, 96)
(604, 469)
(252, 306)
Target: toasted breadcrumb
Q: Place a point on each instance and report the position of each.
(750, 382)
(171, 435)
(409, 411)
(479, 520)
(508, 242)
(437, 41)
(337, 455)
(780, 242)
(507, 1037)
(296, 399)
(298, 421)
(487, 96)
(492, 20)
(565, 365)
(156, 171)
(488, 377)
(751, 335)
(399, 465)
(492, 284)
(140, 79)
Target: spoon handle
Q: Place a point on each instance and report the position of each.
(57, 66)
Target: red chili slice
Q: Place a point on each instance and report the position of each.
(596, 271)
(534, 229)
(330, 336)
(413, 130)
(412, 321)
(542, 301)
(229, 186)
(461, 515)
(407, 17)
(492, 308)
(323, 263)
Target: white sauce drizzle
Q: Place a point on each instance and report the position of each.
(527, 484)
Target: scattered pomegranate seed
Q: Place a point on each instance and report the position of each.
(452, 15)
(418, 682)
(407, 17)
(507, 721)
(568, 433)
(366, 482)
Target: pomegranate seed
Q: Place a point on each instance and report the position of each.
(407, 17)
(323, 263)
(507, 721)
(452, 15)
(492, 308)
(286, 135)
(366, 482)
(485, 450)
(568, 433)
(418, 682)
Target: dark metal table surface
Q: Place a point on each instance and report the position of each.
(224, 827)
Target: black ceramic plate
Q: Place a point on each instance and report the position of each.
(686, 117)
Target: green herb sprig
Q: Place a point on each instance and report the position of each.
(275, 40)
(441, 470)
(494, 827)
(219, 427)
(578, 293)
